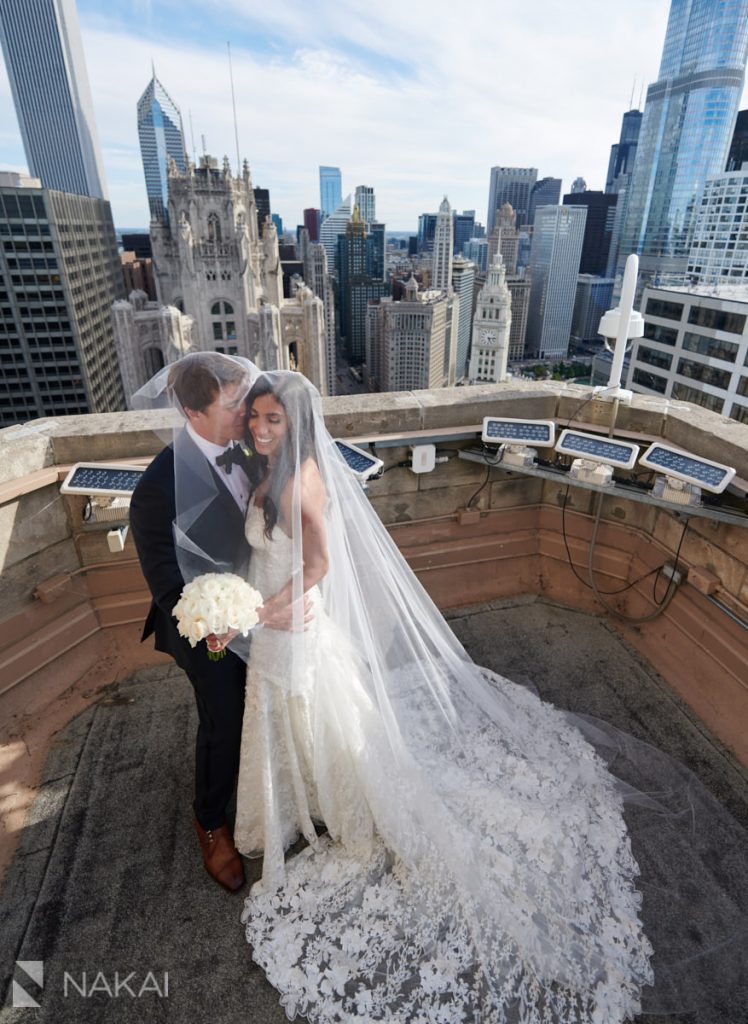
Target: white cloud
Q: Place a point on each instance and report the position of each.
(417, 99)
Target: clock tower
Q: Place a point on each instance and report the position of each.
(489, 349)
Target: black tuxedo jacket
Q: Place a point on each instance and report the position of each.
(218, 531)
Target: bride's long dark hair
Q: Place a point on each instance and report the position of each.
(292, 392)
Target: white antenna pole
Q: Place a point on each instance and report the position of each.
(631, 101)
(233, 104)
(626, 305)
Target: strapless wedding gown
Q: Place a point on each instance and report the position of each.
(372, 922)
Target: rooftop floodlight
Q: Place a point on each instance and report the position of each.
(361, 463)
(621, 326)
(681, 476)
(513, 435)
(595, 456)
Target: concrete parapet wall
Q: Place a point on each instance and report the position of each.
(511, 544)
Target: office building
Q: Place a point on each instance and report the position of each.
(161, 139)
(426, 231)
(60, 273)
(687, 127)
(312, 223)
(578, 185)
(546, 192)
(719, 250)
(330, 190)
(463, 283)
(137, 275)
(623, 152)
(510, 185)
(441, 275)
(519, 290)
(331, 229)
(738, 154)
(47, 70)
(593, 299)
(489, 345)
(464, 229)
(138, 242)
(475, 250)
(359, 259)
(598, 228)
(556, 251)
(278, 222)
(410, 343)
(317, 277)
(695, 348)
(366, 203)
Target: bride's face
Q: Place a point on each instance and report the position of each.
(268, 424)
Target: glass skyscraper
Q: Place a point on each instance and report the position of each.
(161, 136)
(47, 71)
(330, 190)
(685, 135)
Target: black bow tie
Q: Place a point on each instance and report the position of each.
(234, 455)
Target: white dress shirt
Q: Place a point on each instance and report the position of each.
(236, 481)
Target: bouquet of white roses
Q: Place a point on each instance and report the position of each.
(216, 602)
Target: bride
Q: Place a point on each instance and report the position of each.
(476, 864)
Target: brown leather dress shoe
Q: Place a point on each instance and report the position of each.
(220, 857)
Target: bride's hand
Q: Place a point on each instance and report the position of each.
(217, 642)
(277, 616)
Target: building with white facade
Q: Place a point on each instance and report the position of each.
(47, 70)
(489, 347)
(317, 278)
(441, 274)
(719, 251)
(410, 344)
(330, 230)
(147, 336)
(211, 263)
(556, 251)
(695, 348)
(505, 239)
(463, 283)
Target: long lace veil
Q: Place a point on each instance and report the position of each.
(520, 884)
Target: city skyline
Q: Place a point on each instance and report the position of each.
(409, 115)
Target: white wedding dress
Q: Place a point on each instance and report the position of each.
(479, 875)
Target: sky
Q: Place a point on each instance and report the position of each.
(419, 99)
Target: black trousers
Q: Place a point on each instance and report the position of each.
(219, 694)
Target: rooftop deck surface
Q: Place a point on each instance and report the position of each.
(107, 876)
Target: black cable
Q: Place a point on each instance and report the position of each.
(675, 566)
(621, 590)
(489, 464)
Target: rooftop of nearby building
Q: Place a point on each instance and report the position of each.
(102, 870)
(728, 292)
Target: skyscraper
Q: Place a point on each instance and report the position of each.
(623, 152)
(556, 251)
(262, 202)
(61, 273)
(441, 276)
(47, 71)
(688, 121)
(463, 282)
(505, 239)
(598, 228)
(464, 227)
(546, 192)
(331, 228)
(311, 223)
(719, 254)
(330, 190)
(366, 203)
(161, 136)
(359, 280)
(510, 185)
(426, 229)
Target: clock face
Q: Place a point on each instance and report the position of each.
(487, 336)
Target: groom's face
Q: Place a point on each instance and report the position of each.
(224, 420)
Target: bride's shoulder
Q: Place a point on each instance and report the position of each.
(312, 485)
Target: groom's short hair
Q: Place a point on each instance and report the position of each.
(196, 380)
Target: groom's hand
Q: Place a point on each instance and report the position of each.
(283, 617)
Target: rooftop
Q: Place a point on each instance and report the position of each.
(103, 871)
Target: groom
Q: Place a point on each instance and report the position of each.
(211, 390)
